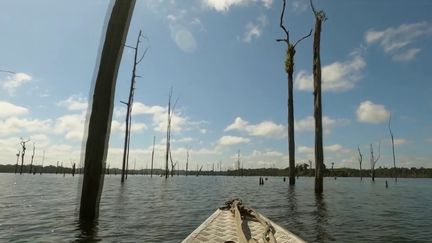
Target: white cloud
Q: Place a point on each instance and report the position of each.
(225, 5)
(308, 123)
(117, 126)
(336, 77)
(263, 129)
(232, 140)
(396, 40)
(407, 55)
(254, 29)
(400, 141)
(262, 159)
(267, 3)
(17, 125)
(8, 109)
(299, 5)
(368, 112)
(305, 150)
(74, 103)
(72, 126)
(11, 83)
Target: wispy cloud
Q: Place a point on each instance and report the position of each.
(180, 32)
(262, 129)
(397, 41)
(232, 140)
(8, 109)
(14, 81)
(74, 103)
(254, 29)
(336, 77)
(308, 124)
(368, 112)
(225, 5)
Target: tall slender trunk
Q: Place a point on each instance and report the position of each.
(319, 153)
(187, 161)
(151, 169)
(102, 108)
(16, 165)
(31, 161)
(291, 143)
(393, 150)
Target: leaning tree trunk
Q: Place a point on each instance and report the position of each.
(319, 153)
(102, 108)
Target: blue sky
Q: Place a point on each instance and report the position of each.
(222, 60)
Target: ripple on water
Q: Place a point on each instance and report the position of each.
(44, 208)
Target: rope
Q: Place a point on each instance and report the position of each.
(240, 211)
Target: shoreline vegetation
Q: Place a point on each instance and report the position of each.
(301, 170)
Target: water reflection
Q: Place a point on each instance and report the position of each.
(321, 218)
(88, 231)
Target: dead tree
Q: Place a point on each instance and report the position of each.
(360, 159)
(23, 145)
(172, 164)
(32, 157)
(199, 171)
(310, 167)
(43, 160)
(289, 69)
(238, 163)
(187, 160)
(99, 123)
(73, 169)
(374, 160)
(151, 169)
(57, 168)
(393, 149)
(129, 103)
(168, 136)
(16, 165)
(320, 17)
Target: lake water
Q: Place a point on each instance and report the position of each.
(44, 208)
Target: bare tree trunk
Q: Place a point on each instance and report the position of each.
(319, 153)
(393, 150)
(102, 107)
(129, 106)
(31, 161)
(374, 160)
(168, 138)
(16, 165)
(23, 145)
(289, 69)
(73, 169)
(360, 162)
(151, 169)
(187, 161)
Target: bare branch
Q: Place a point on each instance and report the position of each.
(131, 47)
(284, 40)
(124, 103)
(360, 154)
(313, 8)
(6, 71)
(304, 37)
(143, 55)
(282, 25)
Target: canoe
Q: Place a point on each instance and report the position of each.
(237, 223)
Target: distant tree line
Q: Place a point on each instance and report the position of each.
(300, 170)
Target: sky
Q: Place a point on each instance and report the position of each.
(227, 71)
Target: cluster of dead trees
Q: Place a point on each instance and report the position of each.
(320, 17)
(374, 158)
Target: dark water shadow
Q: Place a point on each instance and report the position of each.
(321, 218)
(88, 231)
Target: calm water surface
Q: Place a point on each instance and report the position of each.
(36, 208)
